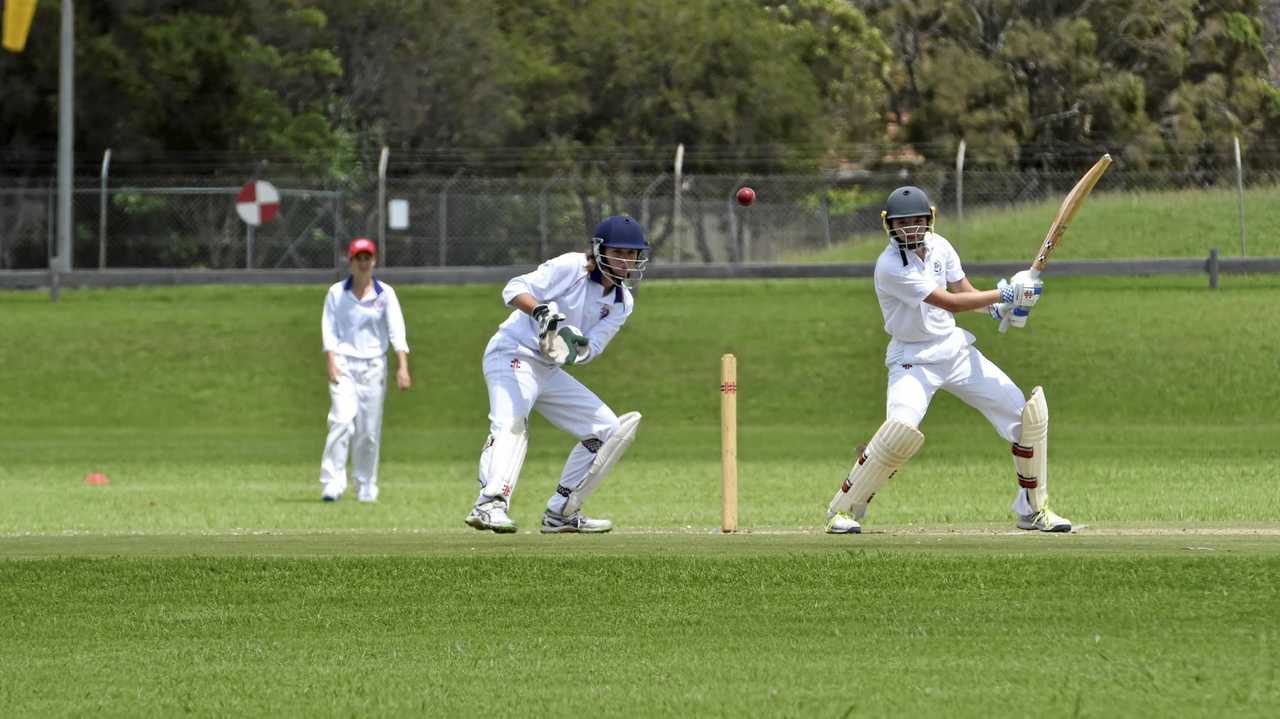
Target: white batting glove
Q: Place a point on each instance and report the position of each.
(1019, 315)
(1021, 292)
(1028, 289)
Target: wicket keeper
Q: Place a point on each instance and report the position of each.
(563, 313)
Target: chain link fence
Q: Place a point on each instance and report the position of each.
(466, 221)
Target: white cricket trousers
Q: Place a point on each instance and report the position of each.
(974, 379)
(518, 385)
(970, 376)
(355, 422)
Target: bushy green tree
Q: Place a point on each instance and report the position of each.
(754, 78)
(157, 76)
(1049, 83)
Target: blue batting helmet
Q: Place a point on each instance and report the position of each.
(620, 232)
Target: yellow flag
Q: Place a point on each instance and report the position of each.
(17, 21)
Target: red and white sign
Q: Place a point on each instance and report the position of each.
(258, 202)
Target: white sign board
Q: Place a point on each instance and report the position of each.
(398, 214)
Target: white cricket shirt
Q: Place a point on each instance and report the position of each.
(921, 332)
(578, 294)
(362, 328)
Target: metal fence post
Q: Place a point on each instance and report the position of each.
(1240, 192)
(960, 181)
(1213, 268)
(675, 211)
(826, 218)
(382, 206)
(102, 212)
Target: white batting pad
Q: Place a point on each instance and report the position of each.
(1031, 452)
(607, 456)
(890, 448)
(501, 461)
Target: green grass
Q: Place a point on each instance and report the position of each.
(207, 578)
(829, 633)
(206, 408)
(1110, 225)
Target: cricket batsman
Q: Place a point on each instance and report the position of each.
(564, 313)
(920, 286)
(361, 317)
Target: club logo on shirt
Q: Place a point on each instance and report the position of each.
(604, 311)
(515, 363)
(937, 266)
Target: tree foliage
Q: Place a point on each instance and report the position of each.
(767, 84)
(151, 76)
(1029, 83)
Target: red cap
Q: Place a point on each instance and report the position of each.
(362, 244)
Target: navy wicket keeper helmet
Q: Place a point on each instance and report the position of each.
(620, 232)
(906, 202)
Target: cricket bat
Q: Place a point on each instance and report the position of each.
(1062, 220)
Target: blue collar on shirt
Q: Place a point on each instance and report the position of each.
(598, 278)
(377, 287)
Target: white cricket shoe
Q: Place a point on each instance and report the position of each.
(491, 515)
(367, 493)
(332, 491)
(577, 522)
(1044, 521)
(843, 523)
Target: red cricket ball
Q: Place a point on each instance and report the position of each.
(746, 196)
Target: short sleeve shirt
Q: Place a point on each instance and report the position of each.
(901, 290)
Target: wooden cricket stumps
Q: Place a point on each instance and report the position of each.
(728, 443)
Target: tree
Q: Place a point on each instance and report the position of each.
(753, 79)
(1160, 82)
(157, 76)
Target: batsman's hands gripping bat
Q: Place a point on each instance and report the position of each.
(1018, 295)
(1062, 220)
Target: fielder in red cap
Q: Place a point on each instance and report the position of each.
(361, 318)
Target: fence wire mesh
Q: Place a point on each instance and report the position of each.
(460, 220)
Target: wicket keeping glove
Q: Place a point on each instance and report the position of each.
(566, 346)
(547, 317)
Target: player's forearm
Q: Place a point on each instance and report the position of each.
(980, 300)
(402, 359)
(963, 301)
(524, 302)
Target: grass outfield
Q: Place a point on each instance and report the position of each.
(1111, 225)
(207, 578)
(818, 631)
(206, 408)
